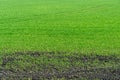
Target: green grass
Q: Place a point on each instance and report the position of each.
(69, 28)
(60, 25)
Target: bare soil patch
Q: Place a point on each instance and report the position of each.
(86, 72)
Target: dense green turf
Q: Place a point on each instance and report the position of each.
(75, 30)
(60, 25)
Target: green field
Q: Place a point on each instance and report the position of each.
(58, 28)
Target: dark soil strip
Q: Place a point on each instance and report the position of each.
(73, 73)
(86, 72)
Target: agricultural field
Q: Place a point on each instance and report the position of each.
(60, 39)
